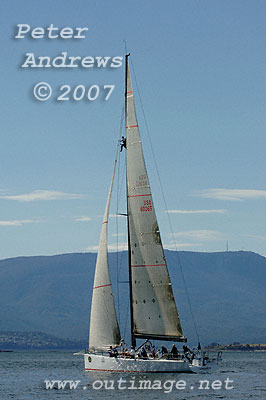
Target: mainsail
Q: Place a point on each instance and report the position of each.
(104, 329)
(153, 307)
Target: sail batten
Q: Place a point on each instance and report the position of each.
(157, 337)
(153, 305)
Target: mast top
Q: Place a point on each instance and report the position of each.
(126, 57)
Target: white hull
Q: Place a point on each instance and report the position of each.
(199, 366)
(105, 363)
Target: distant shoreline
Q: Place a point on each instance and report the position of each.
(13, 341)
(237, 347)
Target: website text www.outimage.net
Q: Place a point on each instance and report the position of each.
(166, 386)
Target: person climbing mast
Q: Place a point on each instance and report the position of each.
(123, 143)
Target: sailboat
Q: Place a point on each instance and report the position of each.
(153, 309)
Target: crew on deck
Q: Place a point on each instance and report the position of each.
(148, 351)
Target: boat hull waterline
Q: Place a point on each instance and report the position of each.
(105, 363)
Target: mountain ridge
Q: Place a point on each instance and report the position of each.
(52, 294)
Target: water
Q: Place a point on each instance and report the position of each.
(23, 376)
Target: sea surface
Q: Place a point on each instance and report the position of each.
(23, 376)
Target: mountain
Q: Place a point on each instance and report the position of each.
(36, 340)
(52, 294)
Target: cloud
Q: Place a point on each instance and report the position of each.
(17, 222)
(42, 195)
(82, 219)
(202, 235)
(117, 215)
(232, 194)
(111, 247)
(221, 211)
(256, 237)
(92, 248)
(174, 246)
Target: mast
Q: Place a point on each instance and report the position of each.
(133, 339)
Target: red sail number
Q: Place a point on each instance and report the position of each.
(146, 206)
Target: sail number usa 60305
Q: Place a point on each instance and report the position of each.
(147, 206)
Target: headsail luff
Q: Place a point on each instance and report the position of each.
(104, 329)
(153, 305)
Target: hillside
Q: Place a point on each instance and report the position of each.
(36, 340)
(52, 294)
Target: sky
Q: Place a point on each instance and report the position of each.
(200, 71)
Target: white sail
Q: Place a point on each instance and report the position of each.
(153, 304)
(104, 329)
